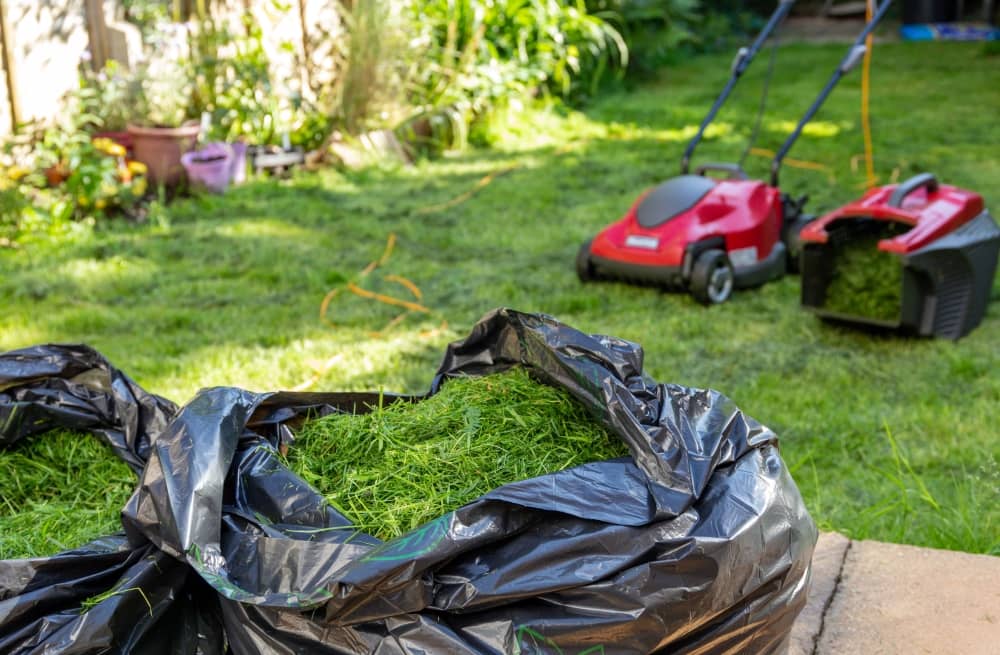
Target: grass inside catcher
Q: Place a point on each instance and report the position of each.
(59, 490)
(867, 282)
(402, 465)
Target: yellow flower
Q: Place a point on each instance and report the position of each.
(139, 186)
(101, 203)
(82, 200)
(136, 167)
(17, 172)
(108, 189)
(109, 147)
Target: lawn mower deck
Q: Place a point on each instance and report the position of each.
(947, 248)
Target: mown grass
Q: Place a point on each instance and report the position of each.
(865, 281)
(226, 290)
(404, 464)
(58, 491)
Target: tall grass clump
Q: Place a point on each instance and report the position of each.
(964, 515)
(57, 491)
(404, 464)
(376, 58)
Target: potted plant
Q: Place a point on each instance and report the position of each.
(165, 131)
(105, 99)
(215, 165)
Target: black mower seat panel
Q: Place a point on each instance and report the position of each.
(673, 197)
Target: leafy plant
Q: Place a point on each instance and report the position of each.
(232, 81)
(162, 86)
(659, 31)
(476, 55)
(556, 43)
(376, 60)
(163, 90)
(106, 99)
(146, 14)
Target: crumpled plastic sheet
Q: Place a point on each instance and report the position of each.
(698, 542)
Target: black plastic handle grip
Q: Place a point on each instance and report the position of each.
(734, 170)
(909, 186)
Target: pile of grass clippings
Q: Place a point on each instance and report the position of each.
(59, 490)
(866, 281)
(404, 464)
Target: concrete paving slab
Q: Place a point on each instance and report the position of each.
(828, 558)
(906, 600)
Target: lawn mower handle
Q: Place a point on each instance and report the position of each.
(849, 61)
(909, 186)
(741, 62)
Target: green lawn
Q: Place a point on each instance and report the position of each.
(888, 438)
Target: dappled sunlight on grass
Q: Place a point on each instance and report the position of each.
(16, 334)
(267, 227)
(402, 361)
(683, 135)
(819, 129)
(117, 274)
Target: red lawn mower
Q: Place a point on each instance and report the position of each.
(706, 235)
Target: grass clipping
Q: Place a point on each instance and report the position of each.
(866, 281)
(59, 490)
(404, 464)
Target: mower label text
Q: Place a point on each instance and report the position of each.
(639, 241)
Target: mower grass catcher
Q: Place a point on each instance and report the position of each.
(918, 257)
(695, 541)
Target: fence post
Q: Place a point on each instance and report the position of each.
(10, 74)
(306, 46)
(97, 31)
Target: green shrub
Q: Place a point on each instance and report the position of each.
(233, 84)
(474, 56)
(660, 32)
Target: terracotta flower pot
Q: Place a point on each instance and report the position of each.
(160, 149)
(56, 174)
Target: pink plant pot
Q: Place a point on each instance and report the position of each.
(210, 167)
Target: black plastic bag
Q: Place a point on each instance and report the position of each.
(697, 543)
